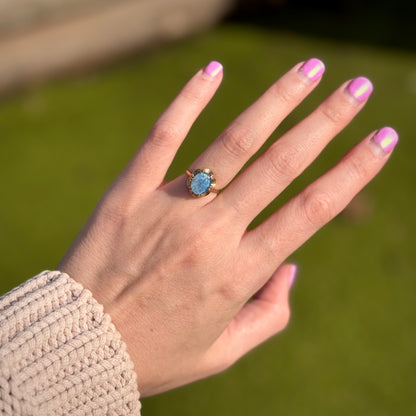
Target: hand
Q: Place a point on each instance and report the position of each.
(175, 272)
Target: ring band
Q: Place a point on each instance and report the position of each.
(200, 182)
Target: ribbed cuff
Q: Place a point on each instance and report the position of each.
(60, 354)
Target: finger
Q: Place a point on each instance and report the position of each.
(154, 157)
(264, 316)
(286, 159)
(289, 227)
(245, 135)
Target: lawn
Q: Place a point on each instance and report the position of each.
(350, 346)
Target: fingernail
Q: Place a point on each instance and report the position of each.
(313, 69)
(386, 138)
(292, 274)
(213, 68)
(360, 88)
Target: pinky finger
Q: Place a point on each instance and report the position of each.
(288, 228)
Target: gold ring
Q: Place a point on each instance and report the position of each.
(200, 182)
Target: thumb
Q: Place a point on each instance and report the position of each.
(265, 315)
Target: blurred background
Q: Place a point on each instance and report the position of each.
(82, 82)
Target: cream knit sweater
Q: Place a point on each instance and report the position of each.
(60, 354)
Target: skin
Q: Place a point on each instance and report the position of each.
(187, 286)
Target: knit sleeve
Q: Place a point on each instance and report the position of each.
(60, 354)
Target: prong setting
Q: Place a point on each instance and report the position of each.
(200, 182)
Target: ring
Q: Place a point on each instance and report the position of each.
(200, 182)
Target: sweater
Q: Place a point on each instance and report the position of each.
(60, 354)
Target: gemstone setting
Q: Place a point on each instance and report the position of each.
(200, 182)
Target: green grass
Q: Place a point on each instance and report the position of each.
(350, 346)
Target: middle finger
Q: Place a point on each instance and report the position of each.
(247, 133)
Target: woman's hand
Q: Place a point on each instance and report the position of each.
(176, 272)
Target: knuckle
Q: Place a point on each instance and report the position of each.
(237, 141)
(164, 133)
(194, 96)
(110, 218)
(318, 208)
(357, 169)
(334, 114)
(284, 163)
(285, 94)
(113, 216)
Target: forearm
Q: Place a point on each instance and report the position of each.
(60, 353)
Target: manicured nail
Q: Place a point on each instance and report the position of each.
(292, 274)
(313, 69)
(360, 88)
(386, 138)
(213, 68)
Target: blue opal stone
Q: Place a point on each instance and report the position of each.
(200, 183)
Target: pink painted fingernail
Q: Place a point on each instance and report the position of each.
(292, 274)
(313, 69)
(386, 138)
(213, 68)
(360, 88)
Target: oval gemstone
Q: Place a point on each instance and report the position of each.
(200, 183)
